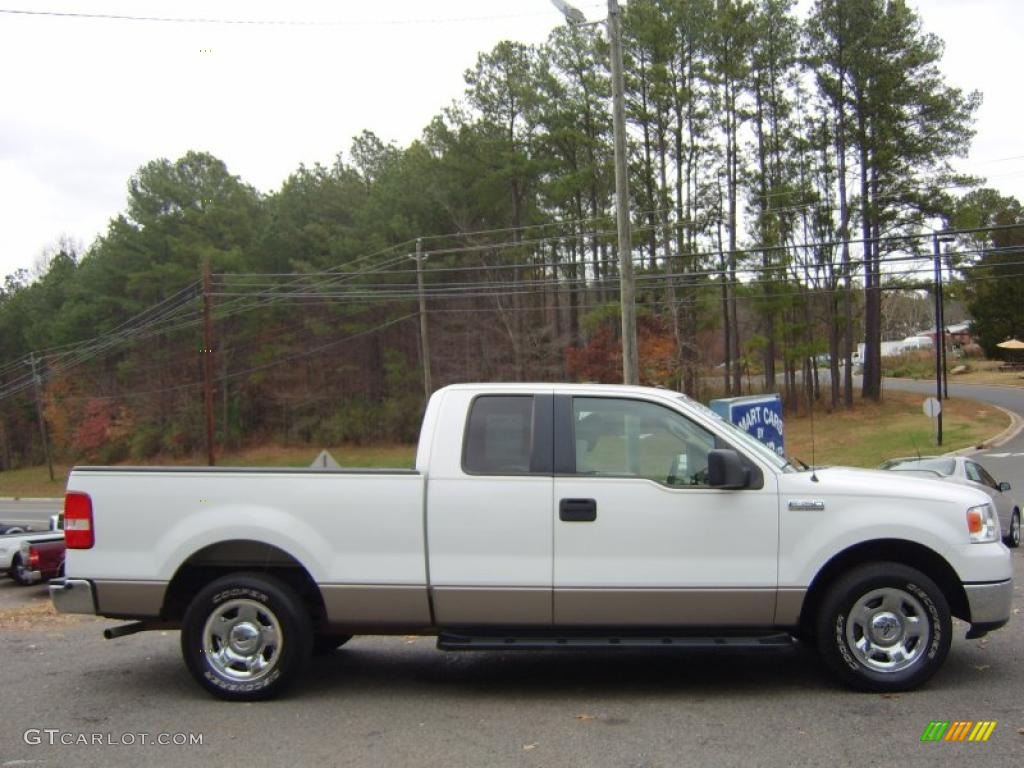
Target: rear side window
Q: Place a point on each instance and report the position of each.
(499, 435)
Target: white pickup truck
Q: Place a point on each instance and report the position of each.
(540, 516)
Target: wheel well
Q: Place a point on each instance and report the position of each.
(227, 557)
(908, 553)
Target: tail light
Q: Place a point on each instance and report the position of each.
(33, 558)
(78, 531)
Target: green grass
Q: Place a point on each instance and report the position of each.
(863, 437)
(33, 482)
(871, 433)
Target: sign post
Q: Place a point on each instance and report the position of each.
(932, 407)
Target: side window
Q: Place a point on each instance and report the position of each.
(636, 439)
(972, 472)
(499, 435)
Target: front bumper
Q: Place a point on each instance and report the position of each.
(990, 603)
(72, 596)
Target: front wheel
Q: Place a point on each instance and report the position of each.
(1012, 538)
(246, 637)
(884, 627)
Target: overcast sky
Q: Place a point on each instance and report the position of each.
(85, 102)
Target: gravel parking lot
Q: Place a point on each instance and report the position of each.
(399, 701)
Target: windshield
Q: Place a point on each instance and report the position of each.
(938, 464)
(749, 442)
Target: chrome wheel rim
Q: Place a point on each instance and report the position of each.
(888, 630)
(1015, 530)
(242, 640)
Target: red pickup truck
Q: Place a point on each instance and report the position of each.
(39, 560)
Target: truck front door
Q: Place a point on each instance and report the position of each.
(640, 538)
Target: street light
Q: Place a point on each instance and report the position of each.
(940, 330)
(630, 360)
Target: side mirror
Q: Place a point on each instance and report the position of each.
(1004, 487)
(726, 470)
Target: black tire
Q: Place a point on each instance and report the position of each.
(872, 605)
(324, 643)
(246, 637)
(20, 572)
(1012, 537)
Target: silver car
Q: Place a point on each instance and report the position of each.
(966, 471)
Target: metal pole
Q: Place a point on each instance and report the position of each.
(938, 337)
(942, 335)
(630, 362)
(208, 361)
(39, 413)
(424, 340)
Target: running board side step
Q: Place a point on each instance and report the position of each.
(447, 641)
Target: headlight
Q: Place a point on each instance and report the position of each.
(982, 524)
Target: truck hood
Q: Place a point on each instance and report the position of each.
(852, 481)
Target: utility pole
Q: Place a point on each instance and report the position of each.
(208, 360)
(39, 413)
(630, 361)
(428, 387)
(627, 289)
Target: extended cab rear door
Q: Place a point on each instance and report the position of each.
(489, 509)
(640, 538)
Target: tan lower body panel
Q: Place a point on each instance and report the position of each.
(408, 606)
(483, 606)
(140, 599)
(373, 604)
(665, 607)
(788, 605)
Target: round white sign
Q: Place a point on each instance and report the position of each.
(932, 407)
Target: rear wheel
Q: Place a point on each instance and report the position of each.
(1012, 538)
(884, 627)
(20, 572)
(246, 637)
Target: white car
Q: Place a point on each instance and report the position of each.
(966, 471)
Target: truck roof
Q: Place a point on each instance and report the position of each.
(619, 389)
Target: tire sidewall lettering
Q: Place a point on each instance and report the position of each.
(240, 592)
(933, 619)
(233, 687)
(844, 651)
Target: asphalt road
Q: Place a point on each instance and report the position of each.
(33, 512)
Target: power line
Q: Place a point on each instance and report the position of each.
(268, 22)
(176, 313)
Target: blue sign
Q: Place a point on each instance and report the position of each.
(759, 416)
